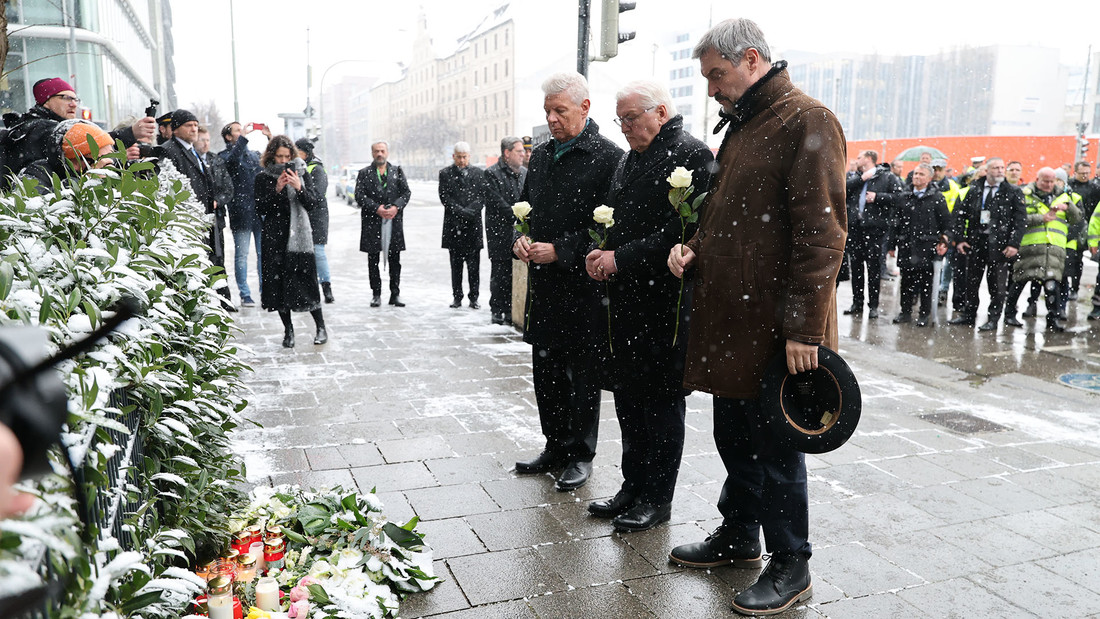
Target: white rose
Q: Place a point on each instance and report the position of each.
(681, 177)
(521, 210)
(604, 215)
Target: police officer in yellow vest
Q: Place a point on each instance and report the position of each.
(1042, 255)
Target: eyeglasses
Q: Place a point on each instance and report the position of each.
(69, 99)
(628, 121)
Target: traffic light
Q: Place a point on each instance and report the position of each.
(610, 37)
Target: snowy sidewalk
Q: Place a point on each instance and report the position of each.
(958, 496)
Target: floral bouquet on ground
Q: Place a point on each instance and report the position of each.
(688, 212)
(343, 558)
(604, 215)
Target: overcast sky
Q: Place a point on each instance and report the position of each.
(271, 37)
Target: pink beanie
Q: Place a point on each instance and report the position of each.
(44, 89)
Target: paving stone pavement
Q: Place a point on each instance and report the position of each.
(432, 406)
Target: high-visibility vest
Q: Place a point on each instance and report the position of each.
(1054, 232)
(954, 192)
(1094, 230)
(1076, 198)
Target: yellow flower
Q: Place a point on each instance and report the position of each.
(521, 210)
(681, 177)
(604, 215)
(256, 613)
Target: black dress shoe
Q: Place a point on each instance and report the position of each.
(989, 325)
(288, 338)
(1094, 314)
(322, 336)
(474, 304)
(1055, 326)
(873, 314)
(962, 320)
(574, 476)
(855, 310)
(902, 318)
(1031, 311)
(457, 303)
(541, 463)
(396, 301)
(922, 321)
(376, 300)
(498, 319)
(782, 584)
(642, 517)
(1012, 321)
(723, 547)
(609, 508)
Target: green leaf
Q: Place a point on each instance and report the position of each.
(295, 537)
(694, 218)
(699, 201)
(410, 525)
(92, 311)
(595, 236)
(401, 537)
(74, 300)
(45, 313)
(314, 519)
(7, 276)
(141, 601)
(317, 594)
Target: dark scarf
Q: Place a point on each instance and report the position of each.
(743, 108)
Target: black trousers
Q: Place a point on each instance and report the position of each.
(653, 441)
(1053, 289)
(765, 485)
(916, 284)
(394, 267)
(472, 259)
(969, 271)
(865, 251)
(500, 286)
(568, 397)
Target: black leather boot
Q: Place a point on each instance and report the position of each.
(326, 288)
(376, 300)
(322, 336)
(288, 337)
(782, 584)
(723, 547)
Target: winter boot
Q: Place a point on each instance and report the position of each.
(322, 336)
(288, 337)
(723, 547)
(783, 583)
(326, 287)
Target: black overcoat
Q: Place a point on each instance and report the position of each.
(1007, 219)
(921, 222)
(289, 280)
(370, 193)
(564, 303)
(503, 188)
(462, 193)
(876, 215)
(202, 186)
(643, 294)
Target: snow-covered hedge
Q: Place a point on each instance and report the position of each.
(65, 260)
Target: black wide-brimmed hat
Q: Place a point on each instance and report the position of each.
(814, 411)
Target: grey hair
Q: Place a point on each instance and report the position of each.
(732, 38)
(462, 147)
(651, 93)
(927, 168)
(382, 142)
(508, 143)
(1046, 170)
(570, 82)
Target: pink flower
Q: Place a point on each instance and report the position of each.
(299, 593)
(307, 581)
(298, 610)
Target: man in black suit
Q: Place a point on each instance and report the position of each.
(989, 225)
(382, 193)
(180, 150)
(569, 176)
(503, 182)
(462, 193)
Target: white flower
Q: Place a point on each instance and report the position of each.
(348, 558)
(521, 210)
(681, 177)
(604, 215)
(320, 568)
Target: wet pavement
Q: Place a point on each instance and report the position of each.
(970, 489)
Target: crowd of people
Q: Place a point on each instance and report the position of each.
(952, 232)
(277, 200)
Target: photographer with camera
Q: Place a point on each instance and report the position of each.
(285, 196)
(55, 101)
